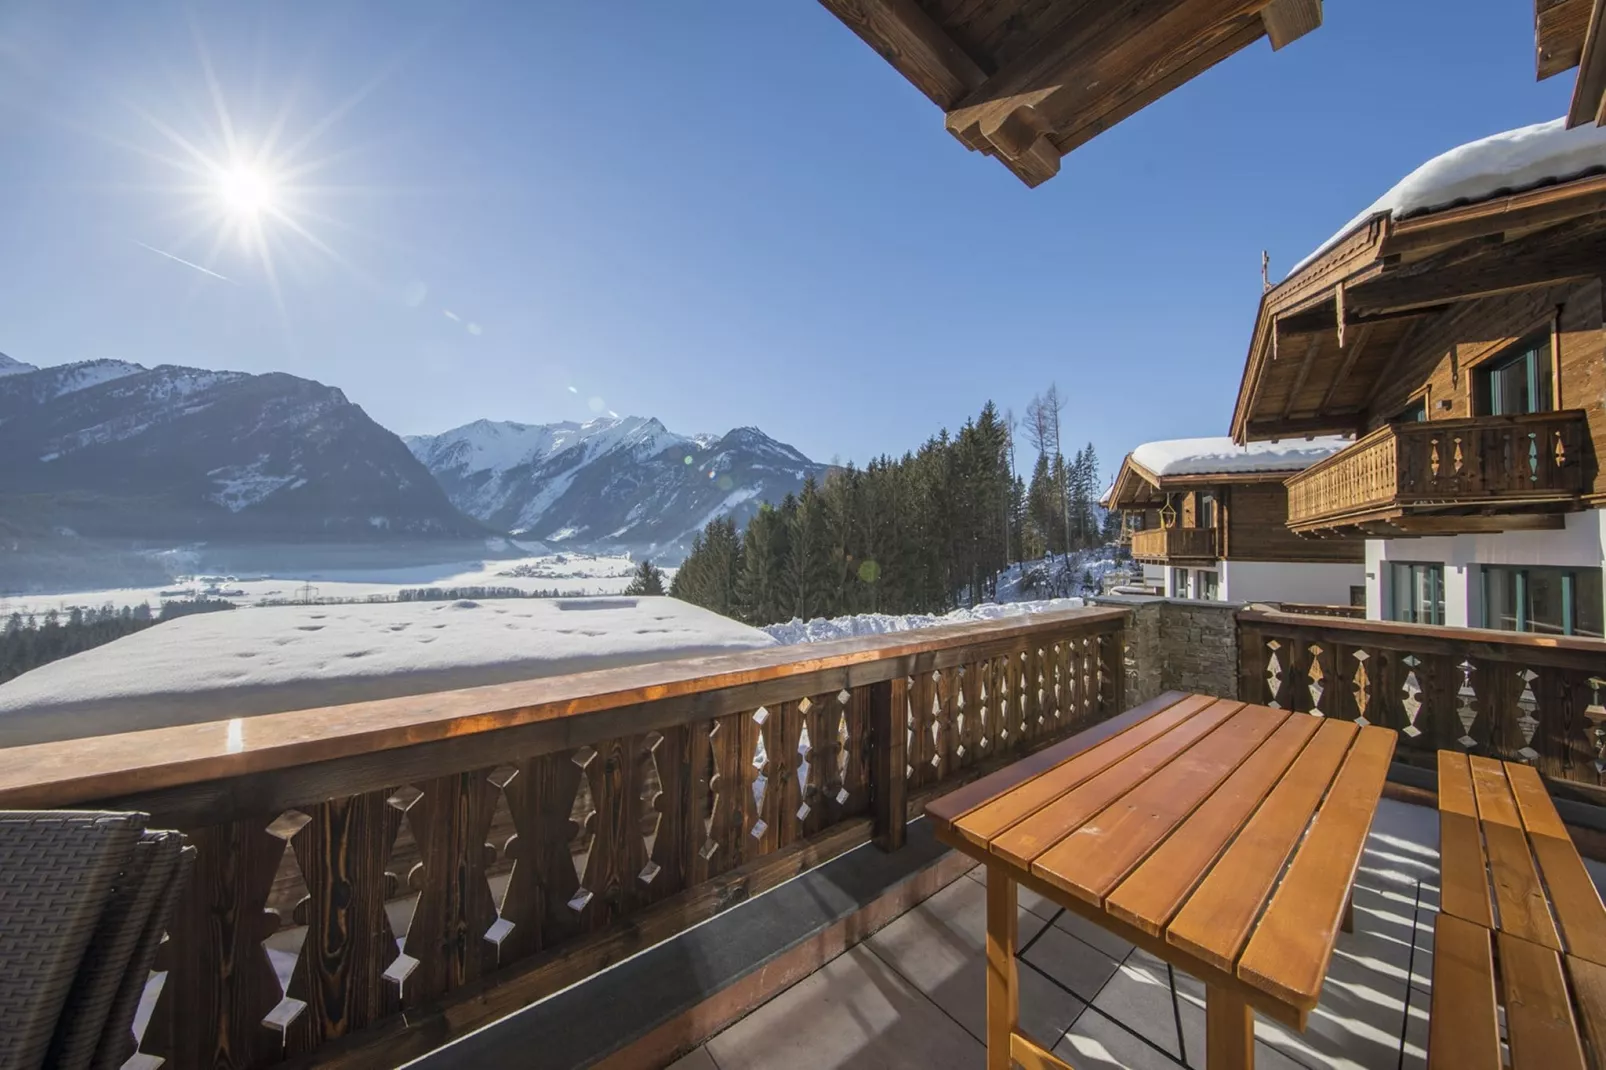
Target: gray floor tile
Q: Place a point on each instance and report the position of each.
(696, 1060)
(854, 1012)
(1096, 1043)
(1139, 997)
(1098, 936)
(940, 948)
(1025, 898)
(1080, 967)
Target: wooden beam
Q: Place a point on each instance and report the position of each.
(1589, 92)
(889, 724)
(1083, 69)
(1559, 29)
(1335, 423)
(1302, 374)
(916, 46)
(1319, 320)
(1481, 269)
(1401, 348)
(1289, 20)
(1352, 355)
(1525, 211)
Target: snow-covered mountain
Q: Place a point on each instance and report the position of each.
(107, 449)
(611, 483)
(8, 366)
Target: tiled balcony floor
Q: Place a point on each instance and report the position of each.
(912, 995)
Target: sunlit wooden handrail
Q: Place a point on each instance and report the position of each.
(1176, 544)
(640, 800)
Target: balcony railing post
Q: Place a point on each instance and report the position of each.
(889, 726)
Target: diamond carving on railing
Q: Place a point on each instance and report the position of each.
(1274, 673)
(1597, 717)
(804, 753)
(652, 789)
(716, 788)
(1361, 684)
(1315, 676)
(583, 815)
(842, 740)
(298, 900)
(761, 782)
(1560, 452)
(1527, 702)
(1412, 700)
(1533, 460)
(1466, 709)
(1459, 459)
(1433, 456)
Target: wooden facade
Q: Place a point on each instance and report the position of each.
(1568, 34)
(1202, 519)
(1391, 334)
(1027, 81)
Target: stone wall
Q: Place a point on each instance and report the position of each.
(1176, 644)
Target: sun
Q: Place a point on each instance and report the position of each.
(246, 191)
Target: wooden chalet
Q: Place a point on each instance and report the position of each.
(1568, 34)
(1457, 331)
(1199, 521)
(1462, 346)
(1027, 81)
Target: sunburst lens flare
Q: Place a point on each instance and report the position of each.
(245, 191)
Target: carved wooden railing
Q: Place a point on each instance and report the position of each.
(1486, 460)
(641, 801)
(1519, 697)
(1176, 544)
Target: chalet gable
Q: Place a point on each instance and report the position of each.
(1518, 211)
(1155, 470)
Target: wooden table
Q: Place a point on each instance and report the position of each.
(1513, 890)
(1170, 826)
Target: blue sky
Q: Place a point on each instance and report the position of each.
(718, 212)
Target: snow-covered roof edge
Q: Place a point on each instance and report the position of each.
(1222, 456)
(1501, 164)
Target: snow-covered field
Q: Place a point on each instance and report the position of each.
(567, 574)
(821, 630)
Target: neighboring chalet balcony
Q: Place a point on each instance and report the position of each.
(1487, 473)
(1163, 546)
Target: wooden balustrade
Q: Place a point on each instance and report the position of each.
(636, 802)
(1439, 466)
(1176, 544)
(1519, 697)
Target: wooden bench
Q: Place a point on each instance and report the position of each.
(1521, 925)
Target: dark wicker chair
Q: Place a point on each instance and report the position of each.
(84, 899)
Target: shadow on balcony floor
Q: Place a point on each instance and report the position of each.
(912, 995)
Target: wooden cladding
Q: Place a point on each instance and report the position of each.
(1438, 468)
(1164, 545)
(522, 857)
(1519, 698)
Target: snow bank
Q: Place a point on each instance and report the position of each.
(1207, 456)
(266, 660)
(821, 630)
(1505, 163)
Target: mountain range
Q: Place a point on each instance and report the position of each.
(611, 483)
(108, 452)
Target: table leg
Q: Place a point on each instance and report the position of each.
(1349, 913)
(1229, 1031)
(1003, 999)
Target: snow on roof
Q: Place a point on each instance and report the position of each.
(1208, 456)
(215, 666)
(1503, 163)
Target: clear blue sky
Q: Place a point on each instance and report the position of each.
(718, 212)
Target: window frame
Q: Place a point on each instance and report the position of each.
(1436, 610)
(1521, 574)
(1535, 348)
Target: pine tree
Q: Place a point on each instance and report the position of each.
(648, 579)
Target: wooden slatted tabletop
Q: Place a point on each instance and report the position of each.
(1220, 836)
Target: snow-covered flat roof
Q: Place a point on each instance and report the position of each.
(251, 661)
(1507, 162)
(1209, 456)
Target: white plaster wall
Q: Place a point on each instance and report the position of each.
(1581, 544)
(1154, 575)
(1323, 583)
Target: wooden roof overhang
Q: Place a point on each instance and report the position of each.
(1568, 34)
(1136, 487)
(1325, 337)
(1027, 81)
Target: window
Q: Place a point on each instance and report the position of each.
(1414, 413)
(1179, 583)
(1554, 601)
(1418, 593)
(1206, 585)
(1516, 382)
(1205, 517)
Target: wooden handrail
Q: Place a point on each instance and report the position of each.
(70, 772)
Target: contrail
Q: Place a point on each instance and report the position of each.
(181, 260)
